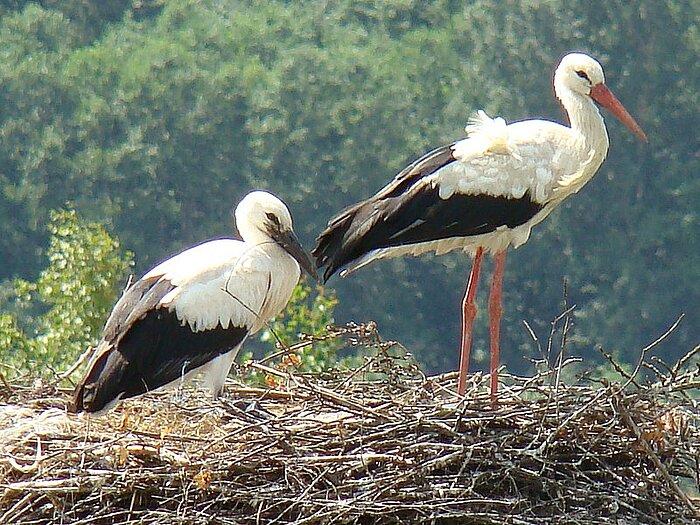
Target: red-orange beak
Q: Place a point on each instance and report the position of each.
(603, 96)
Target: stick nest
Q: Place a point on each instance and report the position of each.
(380, 444)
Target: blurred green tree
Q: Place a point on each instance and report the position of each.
(155, 120)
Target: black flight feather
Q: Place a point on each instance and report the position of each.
(145, 347)
(410, 211)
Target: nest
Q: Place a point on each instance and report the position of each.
(380, 444)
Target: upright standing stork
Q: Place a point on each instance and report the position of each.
(192, 312)
(482, 193)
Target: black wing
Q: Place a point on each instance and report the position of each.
(410, 211)
(145, 347)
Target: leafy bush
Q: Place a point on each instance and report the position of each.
(54, 319)
(307, 313)
(50, 322)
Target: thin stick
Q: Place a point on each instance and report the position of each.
(627, 418)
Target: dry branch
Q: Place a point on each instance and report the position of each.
(384, 444)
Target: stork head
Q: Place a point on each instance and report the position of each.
(261, 217)
(583, 75)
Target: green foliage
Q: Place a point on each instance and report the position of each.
(308, 313)
(166, 113)
(64, 310)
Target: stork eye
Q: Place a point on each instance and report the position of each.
(582, 74)
(272, 217)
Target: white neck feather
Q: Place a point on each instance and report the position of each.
(586, 120)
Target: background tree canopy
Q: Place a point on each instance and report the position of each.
(155, 118)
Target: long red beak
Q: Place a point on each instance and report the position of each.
(603, 96)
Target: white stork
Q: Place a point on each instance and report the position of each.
(192, 312)
(482, 193)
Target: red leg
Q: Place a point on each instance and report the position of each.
(495, 318)
(468, 315)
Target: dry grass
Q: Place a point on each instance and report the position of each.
(383, 444)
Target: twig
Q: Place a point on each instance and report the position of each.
(87, 354)
(649, 347)
(627, 418)
(390, 447)
(683, 360)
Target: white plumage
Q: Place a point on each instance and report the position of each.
(192, 312)
(482, 193)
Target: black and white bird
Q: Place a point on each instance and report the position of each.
(482, 193)
(192, 312)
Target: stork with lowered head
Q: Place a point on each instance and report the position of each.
(192, 312)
